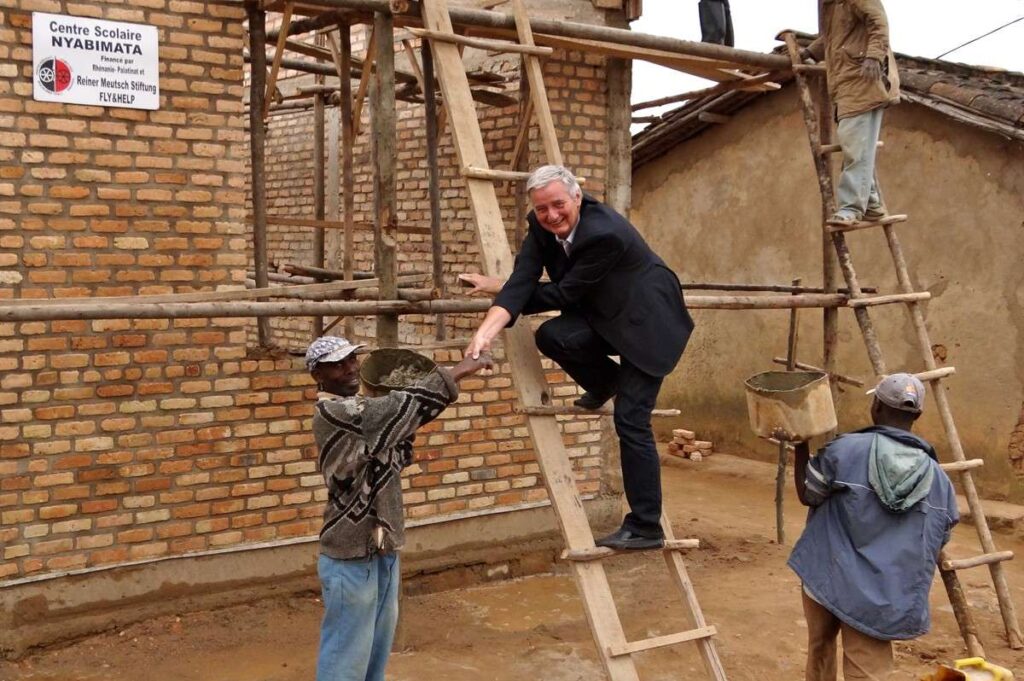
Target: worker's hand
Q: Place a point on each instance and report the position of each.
(871, 69)
(479, 345)
(481, 284)
(470, 365)
(782, 435)
(806, 56)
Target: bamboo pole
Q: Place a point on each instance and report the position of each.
(433, 178)
(257, 141)
(384, 133)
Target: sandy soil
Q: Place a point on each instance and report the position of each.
(534, 628)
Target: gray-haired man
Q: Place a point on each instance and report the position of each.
(617, 297)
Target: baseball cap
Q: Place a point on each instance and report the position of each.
(900, 391)
(328, 349)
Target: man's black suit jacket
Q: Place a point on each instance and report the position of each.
(621, 287)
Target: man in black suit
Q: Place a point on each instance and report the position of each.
(617, 297)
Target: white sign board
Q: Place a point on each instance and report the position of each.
(90, 61)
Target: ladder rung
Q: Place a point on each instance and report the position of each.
(983, 559)
(869, 301)
(482, 43)
(810, 68)
(599, 552)
(935, 374)
(888, 220)
(661, 641)
(568, 410)
(836, 148)
(957, 466)
(492, 174)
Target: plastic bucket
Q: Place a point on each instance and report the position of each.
(797, 403)
(390, 369)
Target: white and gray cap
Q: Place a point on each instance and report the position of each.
(900, 391)
(329, 349)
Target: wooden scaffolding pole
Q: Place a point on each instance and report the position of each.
(383, 139)
(433, 177)
(257, 141)
(347, 145)
(319, 184)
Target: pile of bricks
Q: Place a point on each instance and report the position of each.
(685, 445)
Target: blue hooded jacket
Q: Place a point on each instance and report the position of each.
(871, 566)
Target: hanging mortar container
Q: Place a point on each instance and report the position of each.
(797, 403)
(390, 369)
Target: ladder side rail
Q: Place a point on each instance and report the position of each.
(1005, 598)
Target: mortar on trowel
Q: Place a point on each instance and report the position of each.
(790, 405)
(390, 369)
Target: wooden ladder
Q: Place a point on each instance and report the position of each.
(613, 648)
(933, 374)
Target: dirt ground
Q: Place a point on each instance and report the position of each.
(534, 628)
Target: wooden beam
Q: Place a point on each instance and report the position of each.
(257, 149)
(433, 180)
(347, 144)
(278, 54)
(258, 309)
(483, 43)
(317, 53)
(384, 122)
(711, 117)
(760, 82)
(319, 184)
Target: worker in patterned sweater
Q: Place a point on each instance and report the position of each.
(364, 443)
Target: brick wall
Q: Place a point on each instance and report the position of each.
(129, 440)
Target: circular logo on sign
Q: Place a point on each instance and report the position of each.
(54, 75)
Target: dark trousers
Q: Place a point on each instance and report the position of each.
(574, 345)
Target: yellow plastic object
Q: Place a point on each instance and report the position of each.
(978, 669)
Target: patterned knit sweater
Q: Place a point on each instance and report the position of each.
(364, 444)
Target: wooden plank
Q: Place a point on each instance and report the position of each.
(662, 641)
(538, 91)
(984, 559)
(483, 43)
(527, 373)
(278, 54)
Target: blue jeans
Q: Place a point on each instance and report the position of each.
(360, 614)
(858, 187)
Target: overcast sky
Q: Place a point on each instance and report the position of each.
(925, 28)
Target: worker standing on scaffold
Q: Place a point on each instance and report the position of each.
(862, 81)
